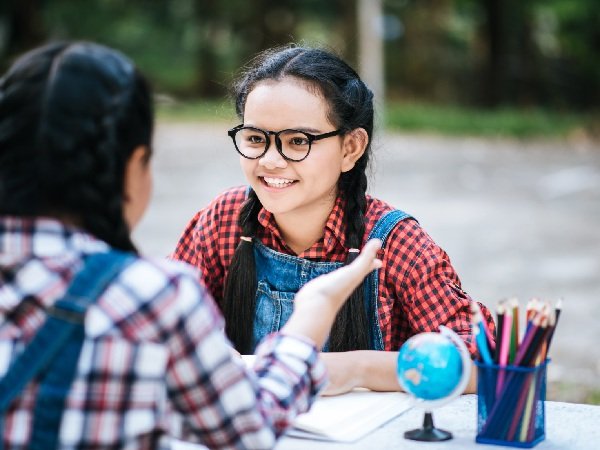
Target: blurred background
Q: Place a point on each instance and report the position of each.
(538, 55)
(488, 114)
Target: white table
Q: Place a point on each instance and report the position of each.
(569, 426)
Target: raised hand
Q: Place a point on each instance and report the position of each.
(318, 302)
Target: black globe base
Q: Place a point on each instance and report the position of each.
(428, 432)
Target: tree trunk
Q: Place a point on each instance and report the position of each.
(25, 25)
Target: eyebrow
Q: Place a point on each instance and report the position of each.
(309, 130)
(306, 129)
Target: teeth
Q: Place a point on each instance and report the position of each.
(278, 182)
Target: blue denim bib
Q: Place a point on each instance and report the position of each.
(280, 276)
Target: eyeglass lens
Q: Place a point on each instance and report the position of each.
(252, 142)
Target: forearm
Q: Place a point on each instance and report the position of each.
(472, 385)
(375, 370)
(378, 372)
(314, 325)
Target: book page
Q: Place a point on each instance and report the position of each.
(350, 416)
(347, 417)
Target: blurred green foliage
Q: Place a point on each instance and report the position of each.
(420, 117)
(168, 110)
(504, 121)
(484, 53)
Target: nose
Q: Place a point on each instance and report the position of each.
(272, 159)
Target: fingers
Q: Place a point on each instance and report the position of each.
(317, 303)
(367, 260)
(340, 283)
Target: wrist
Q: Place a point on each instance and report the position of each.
(361, 363)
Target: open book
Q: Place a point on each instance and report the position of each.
(347, 417)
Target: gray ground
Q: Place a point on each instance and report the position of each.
(517, 218)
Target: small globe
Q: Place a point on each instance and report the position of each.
(434, 368)
(430, 366)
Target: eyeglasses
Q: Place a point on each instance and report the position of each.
(293, 145)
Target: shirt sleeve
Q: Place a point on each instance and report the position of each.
(187, 246)
(428, 290)
(224, 404)
(209, 240)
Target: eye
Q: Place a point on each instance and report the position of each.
(298, 140)
(251, 137)
(256, 139)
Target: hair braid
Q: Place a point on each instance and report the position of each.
(239, 295)
(350, 330)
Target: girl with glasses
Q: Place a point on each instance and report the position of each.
(304, 145)
(99, 346)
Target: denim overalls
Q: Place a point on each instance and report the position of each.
(280, 276)
(52, 355)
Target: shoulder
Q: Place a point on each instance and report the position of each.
(217, 218)
(404, 223)
(148, 299)
(225, 206)
(232, 198)
(376, 208)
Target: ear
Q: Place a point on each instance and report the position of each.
(134, 169)
(354, 146)
(137, 185)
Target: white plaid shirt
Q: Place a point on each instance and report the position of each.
(154, 364)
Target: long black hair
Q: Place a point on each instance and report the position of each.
(350, 105)
(71, 114)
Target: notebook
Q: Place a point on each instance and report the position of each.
(347, 417)
(351, 416)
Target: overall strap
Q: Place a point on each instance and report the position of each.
(386, 223)
(54, 350)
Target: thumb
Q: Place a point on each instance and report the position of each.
(340, 283)
(366, 261)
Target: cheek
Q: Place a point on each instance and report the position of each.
(149, 186)
(327, 163)
(248, 166)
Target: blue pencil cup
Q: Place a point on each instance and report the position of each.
(510, 404)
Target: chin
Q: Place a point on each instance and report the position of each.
(272, 205)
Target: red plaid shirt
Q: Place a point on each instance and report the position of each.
(154, 362)
(418, 287)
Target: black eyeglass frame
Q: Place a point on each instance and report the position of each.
(278, 145)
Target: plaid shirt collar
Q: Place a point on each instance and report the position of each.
(334, 235)
(23, 239)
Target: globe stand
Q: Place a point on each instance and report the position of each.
(428, 432)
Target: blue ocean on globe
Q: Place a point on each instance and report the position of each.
(429, 366)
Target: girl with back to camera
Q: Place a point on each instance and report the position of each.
(99, 347)
(304, 146)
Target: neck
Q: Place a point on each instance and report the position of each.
(301, 229)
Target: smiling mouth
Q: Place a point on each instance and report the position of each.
(277, 182)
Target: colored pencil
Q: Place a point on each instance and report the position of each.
(557, 310)
(514, 339)
(504, 346)
(499, 331)
(512, 404)
(480, 334)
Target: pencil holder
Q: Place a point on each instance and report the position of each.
(510, 404)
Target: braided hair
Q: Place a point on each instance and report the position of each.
(71, 115)
(350, 107)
